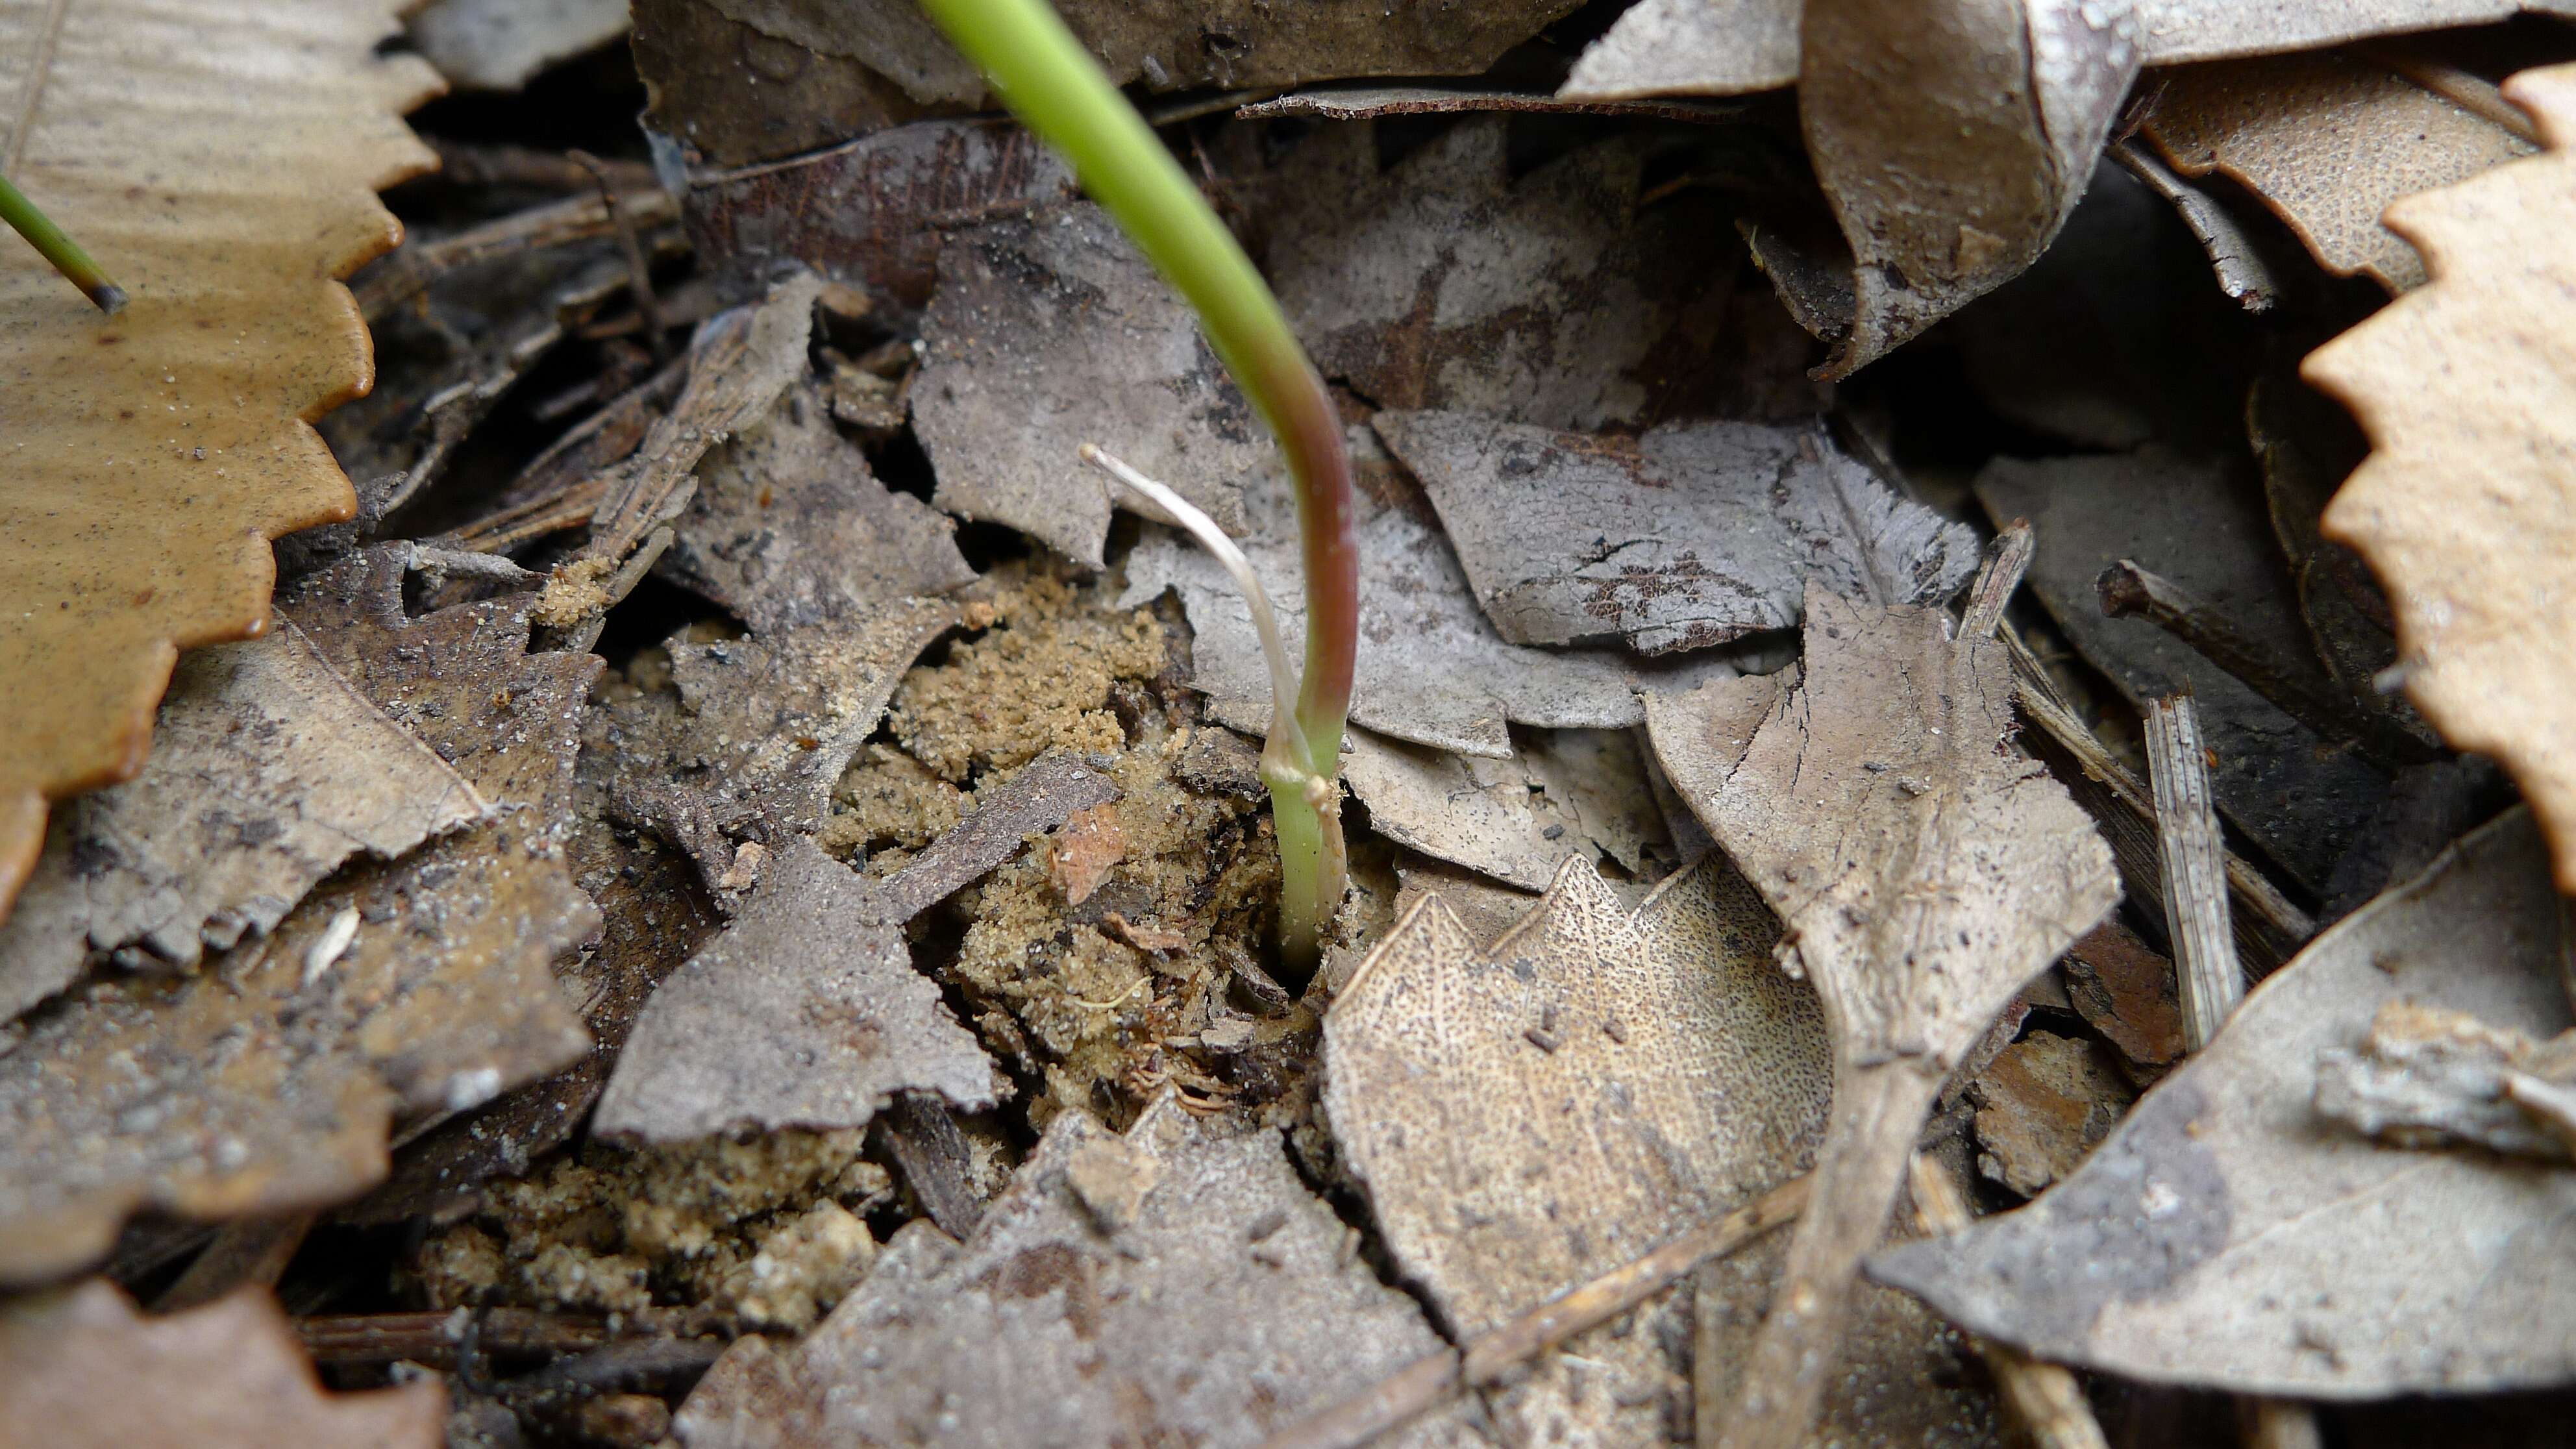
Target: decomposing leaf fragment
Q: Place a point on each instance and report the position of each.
(2126, 992)
(806, 1012)
(2227, 1236)
(268, 772)
(1442, 283)
(1691, 535)
(2327, 141)
(2042, 1103)
(226, 178)
(500, 44)
(1431, 668)
(1926, 869)
(2462, 507)
(1565, 792)
(876, 212)
(82, 1369)
(2203, 525)
(1225, 1305)
(1053, 331)
(2426, 1076)
(1529, 1113)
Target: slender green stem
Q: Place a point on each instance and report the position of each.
(58, 248)
(1054, 85)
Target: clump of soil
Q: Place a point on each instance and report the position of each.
(768, 1232)
(1127, 952)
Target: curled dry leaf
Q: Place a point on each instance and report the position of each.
(1565, 793)
(2327, 141)
(1054, 331)
(269, 771)
(2462, 507)
(876, 212)
(225, 179)
(1531, 1113)
(81, 1369)
(1176, 1285)
(1431, 668)
(1688, 536)
(1551, 299)
(499, 45)
(1926, 870)
(789, 530)
(2191, 1247)
(2201, 524)
(806, 1012)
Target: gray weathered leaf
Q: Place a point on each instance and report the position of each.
(1431, 668)
(2227, 1236)
(1688, 536)
(1925, 869)
(1176, 1285)
(267, 771)
(1051, 332)
(500, 45)
(2202, 525)
(1570, 792)
(806, 1012)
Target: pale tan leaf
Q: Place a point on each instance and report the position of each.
(81, 1369)
(2228, 1235)
(1566, 792)
(221, 162)
(2327, 141)
(2466, 507)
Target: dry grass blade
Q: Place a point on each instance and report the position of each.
(223, 162)
(2046, 1397)
(2463, 507)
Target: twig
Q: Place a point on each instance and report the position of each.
(2241, 272)
(434, 1338)
(639, 273)
(2195, 879)
(410, 271)
(2045, 1396)
(2128, 591)
(2009, 560)
(254, 1250)
(1426, 1383)
(468, 164)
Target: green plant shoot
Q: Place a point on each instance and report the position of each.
(50, 242)
(1060, 92)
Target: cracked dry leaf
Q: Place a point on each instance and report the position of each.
(2192, 1246)
(82, 1369)
(1531, 1113)
(268, 1082)
(1553, 299)
(875, 213)
(1926, 870)
(1688, 536)
(223, 165)
(2203, 525)
(1431, 668)
(807, 1012)
(2327, 142)
(2462, 507)
(1053, 331)
(790, 531)
(267, 773)
(1565, 793)
(1176, 1285)
(500, 45)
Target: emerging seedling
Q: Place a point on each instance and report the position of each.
(55, 246)
(1053, 85)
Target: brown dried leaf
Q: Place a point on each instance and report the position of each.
(2327, 141)
(789, 530)
(500, 45)
(875, 213)
(2202, 525)
(2191, 1248)
(1686, 537)
(2042, 1103)
(1529, 1114)
(2126, 992)
(270, 772)
(806, 1012)
(2462, 505)
(1566, 793)
(1925, 869)
(1431, 668)
(1551, 299)
(1051, 332)
(1228, 1303)
(225, 177)
(81, 1369)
